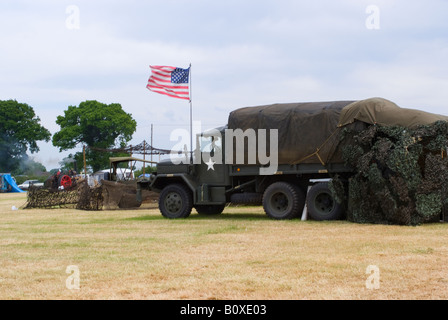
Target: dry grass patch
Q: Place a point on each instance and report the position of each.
(241, 254)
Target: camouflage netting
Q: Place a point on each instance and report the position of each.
(107, 195)
(120, 194)
(401, 174)
(90, 198)
(49, 198)
(80, 197)
(123, 194)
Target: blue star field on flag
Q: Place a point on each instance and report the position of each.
(180, 75)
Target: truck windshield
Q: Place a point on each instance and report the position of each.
(210, 144)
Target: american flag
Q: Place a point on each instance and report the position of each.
(170, 81)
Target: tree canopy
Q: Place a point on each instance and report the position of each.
(96, 125)
(20, 129)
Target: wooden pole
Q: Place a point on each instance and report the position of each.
(84, 159)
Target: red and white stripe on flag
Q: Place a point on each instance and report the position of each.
(170, 81)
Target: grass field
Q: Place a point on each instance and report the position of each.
(241, 254)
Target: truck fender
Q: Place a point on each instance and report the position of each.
(162, 180)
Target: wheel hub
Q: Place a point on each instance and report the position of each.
(279, 202)
(173, 202)
(324, 202)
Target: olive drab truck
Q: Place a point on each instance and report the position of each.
(280, 156)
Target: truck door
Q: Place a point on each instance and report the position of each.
(211, 170)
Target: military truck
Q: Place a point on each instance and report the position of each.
(280, 156)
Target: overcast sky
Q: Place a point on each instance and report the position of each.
(243, 53)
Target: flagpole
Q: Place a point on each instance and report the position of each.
(191, 120)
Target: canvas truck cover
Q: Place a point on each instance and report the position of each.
(309, 132)
(384, 112)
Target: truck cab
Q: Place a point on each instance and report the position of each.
(198, 179)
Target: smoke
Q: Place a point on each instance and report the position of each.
(29, 166)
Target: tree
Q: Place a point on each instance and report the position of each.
(96, 125)
(20, 129)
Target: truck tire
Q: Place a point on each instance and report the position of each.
(282, 200)
(175, 201)
(210, 209)
(321, 203)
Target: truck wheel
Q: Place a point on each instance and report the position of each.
(210, 209)
(175, 201)
(321, 204)
(282, 200)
